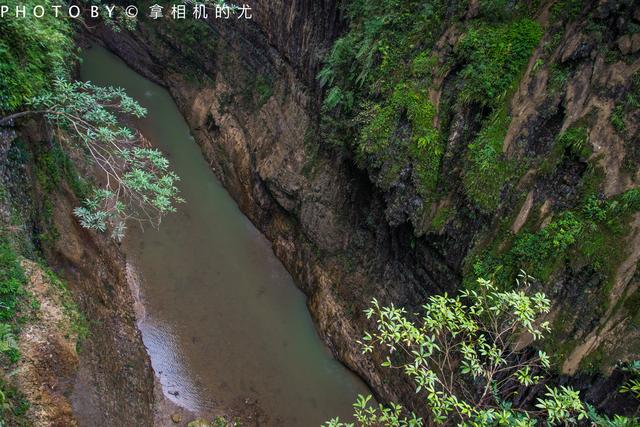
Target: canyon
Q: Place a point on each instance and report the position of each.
(250, 95)
(249, 92)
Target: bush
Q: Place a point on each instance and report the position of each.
(463, 357)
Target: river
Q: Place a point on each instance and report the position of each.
(223, 321)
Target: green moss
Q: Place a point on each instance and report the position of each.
(52, 167)
(79, 323)
(488, 169)
(441, 218)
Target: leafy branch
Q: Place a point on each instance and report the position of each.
(138, 184)
(467, 358)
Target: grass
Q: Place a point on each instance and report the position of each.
(441, 218)
(264, 89)
(13, 405)
(630, 102)
(79, 323)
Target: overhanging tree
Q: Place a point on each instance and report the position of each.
(138, 183)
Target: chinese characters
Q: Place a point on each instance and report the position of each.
(221, 10)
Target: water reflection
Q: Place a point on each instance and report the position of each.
(224, 322)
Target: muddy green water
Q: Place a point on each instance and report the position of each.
(223, 321)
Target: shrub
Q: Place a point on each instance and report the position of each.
(463, 357)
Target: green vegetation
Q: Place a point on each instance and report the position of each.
(377, 101)
(591, 233)
(379, 76)
(630, 103)
(32, 53)
(575, 140)
(264, 89)
(54, 166)
(17, 307)
(13, 406)
(573, 143)
(495, 56)
(632, 386)
(617, 119)
(35, 58)
(140, 185)
(79, 323)
(12, 297)
(463, 357)
(488, 169)
(441, 218)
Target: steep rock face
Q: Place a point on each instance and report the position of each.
(248, 91)
(322, 216)
(109, 381)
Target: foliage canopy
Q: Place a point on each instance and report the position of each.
(469, 360)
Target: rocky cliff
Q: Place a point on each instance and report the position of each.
(82, 358)
(353, 219)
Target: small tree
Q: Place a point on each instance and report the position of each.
(467, 359)
(138, 182)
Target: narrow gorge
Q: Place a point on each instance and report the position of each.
(388, 150)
